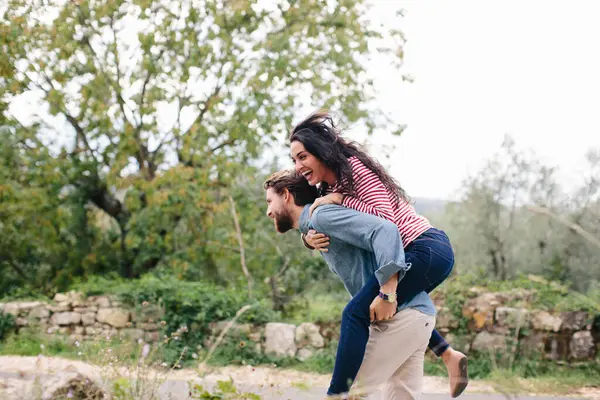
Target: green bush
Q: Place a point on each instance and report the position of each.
(7, 324)
(185, 304)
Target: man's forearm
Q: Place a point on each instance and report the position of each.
(391, 284)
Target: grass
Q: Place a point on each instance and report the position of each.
(526, 376)
(556, 383)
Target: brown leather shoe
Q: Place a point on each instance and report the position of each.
(459, 377)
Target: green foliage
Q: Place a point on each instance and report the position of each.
(185, 304)
(224, 390)
(542, 294)
(318, 305)
(93, 177)
(7, 324)
(32, 344)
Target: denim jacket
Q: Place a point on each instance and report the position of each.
(361, 245)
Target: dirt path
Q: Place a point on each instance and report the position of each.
(22, 377)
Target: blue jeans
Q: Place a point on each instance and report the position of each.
(432, 261)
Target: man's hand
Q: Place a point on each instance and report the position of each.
(319, 241)
(331, 198)
(382, 310)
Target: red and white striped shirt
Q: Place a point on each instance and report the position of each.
(372, 197)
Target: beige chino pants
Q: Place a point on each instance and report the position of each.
(393, 365)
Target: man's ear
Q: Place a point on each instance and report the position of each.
(286, 195)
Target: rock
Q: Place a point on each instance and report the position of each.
(557, 346)
(102, 302)
(52, 329)
(90, 330)
(83, 310)
(543, 321)
(574, 320)
(27, 306)
(149, 327)
(236, 329)
(39, 312)
(330, 331)
(304, 353)
(21, 321)
(74, 385)
(132, 334)
(148, 312)
(512, 317)
(485, 341)
(88, 318)
(480, 310)
(63, 330)
(533, 344)
(152, 336)
(460, 343)
(255, 336)
(308, 334)
(61, 298)
(11, 308)
(65, 318)
(59, 308)
(582, 346)
(115, 317)
(79, 330)
(445, 319)
(280, 339)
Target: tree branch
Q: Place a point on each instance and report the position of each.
(574, 227)
(17, 269)
(241, 243)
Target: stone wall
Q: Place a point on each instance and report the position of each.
(505, 322)
(501, 322)
(82, 318)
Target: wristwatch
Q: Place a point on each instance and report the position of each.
(389, 297)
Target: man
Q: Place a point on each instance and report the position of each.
(362, 246)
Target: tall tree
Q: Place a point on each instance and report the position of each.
(149, 107)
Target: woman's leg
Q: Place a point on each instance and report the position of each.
(441, 254)
(431, 259)
(354, 335)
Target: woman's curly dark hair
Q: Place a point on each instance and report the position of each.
(323, 139)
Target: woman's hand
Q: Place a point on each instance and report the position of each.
(331, 198)
(319, 241)
(381, 310)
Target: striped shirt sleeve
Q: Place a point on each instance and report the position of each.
(371, 195)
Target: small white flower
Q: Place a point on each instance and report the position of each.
(70, 394)
(140, 341)
(77, 344)
(109, 350)
(194, 355)
(164, 364)
(42, 346)
(79, 353)
(145, 350)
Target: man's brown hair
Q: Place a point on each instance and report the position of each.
(295, 183)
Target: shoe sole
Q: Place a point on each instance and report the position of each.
(464, 378)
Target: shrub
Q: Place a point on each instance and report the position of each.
(185, 304)
(7, 324)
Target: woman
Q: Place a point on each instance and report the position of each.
(348, 176)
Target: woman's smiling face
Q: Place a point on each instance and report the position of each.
(313, 169)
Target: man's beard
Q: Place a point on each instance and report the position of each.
(283, 222)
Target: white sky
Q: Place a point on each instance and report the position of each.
(482, 69)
